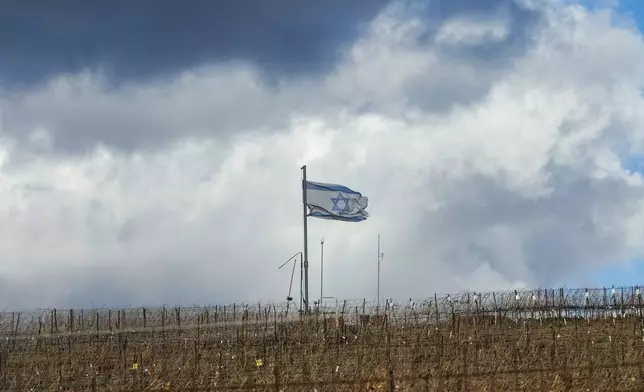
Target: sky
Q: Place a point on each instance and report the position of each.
(153, 156)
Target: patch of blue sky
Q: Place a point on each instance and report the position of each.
(633, 9)
(620, 274)
(633, 163)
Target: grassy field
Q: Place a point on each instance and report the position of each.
(547, 340)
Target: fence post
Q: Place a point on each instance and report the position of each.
(440, 364)
(391, 386)
(515, 361)
(15, 330)
(589, 353)
(39, 331)
(639, 363)
(542, 380)
(638, 295)
(496, 309)
(465, 381)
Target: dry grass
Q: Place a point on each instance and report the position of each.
(534, 341)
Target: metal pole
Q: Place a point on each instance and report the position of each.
(378, 289)
(290, 286)
(321, 271)
(301, 282)
(290, 283)
(306, 243)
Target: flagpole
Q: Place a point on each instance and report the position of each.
(306, 243)
(321, 271)
(380, 255)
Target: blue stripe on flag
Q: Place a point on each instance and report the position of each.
(322, 215)
(319, 186)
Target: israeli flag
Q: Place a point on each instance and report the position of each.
(335, 202)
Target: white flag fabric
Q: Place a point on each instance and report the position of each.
(335, 202)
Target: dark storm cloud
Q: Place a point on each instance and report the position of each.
(145, 38)
(133, 39)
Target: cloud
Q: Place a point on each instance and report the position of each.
(386, 71)
(489, 162)
(158, 38)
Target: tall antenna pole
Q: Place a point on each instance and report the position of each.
(321, 271)
(380, 256)
(306, 243)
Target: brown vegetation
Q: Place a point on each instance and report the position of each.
(529, 341)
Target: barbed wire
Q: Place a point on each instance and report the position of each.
(540, 303)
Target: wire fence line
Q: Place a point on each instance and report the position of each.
(540, 340)
(535, 304)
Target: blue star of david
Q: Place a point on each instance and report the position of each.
(339, 208)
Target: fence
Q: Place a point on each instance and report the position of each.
(541, 340)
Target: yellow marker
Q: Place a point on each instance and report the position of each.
(135, 366)
(259, 362)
